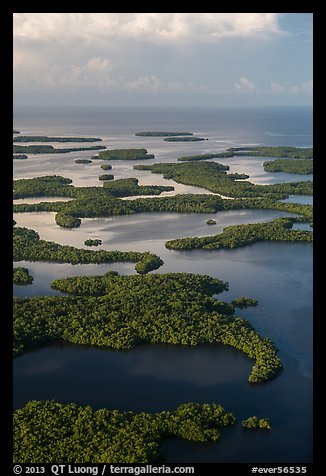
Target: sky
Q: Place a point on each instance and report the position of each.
(163, 59)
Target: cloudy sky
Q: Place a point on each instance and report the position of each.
(154, 59)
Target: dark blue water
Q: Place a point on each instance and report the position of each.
(279, 275)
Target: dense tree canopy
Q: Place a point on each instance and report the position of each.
(49, 149)
(103, 201)
(212, 176)
(287, 151)
(192, 158)
(290, 166)
(124, 311)
(21, 276)
(104, 177)
(67, 221)
(124, 154)
(129, 187)
(242, 235)
(27, 246)
(255, 423)
(242, 302)
(91, 242)
(51, 432)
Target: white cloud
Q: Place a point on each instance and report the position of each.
(152, 27)
(277, 87)
(245, 86)
(306, 87)
(154, 84)
(97, 72)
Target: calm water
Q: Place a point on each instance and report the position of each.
(279, 275)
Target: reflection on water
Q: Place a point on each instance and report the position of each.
(29, 200)
(141, 231)
(161, 377)
(199, 369)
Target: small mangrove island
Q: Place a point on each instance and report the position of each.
(241, 235)
(66, 220)
(83, 161)
(27, 246)
(184, 139)
(290, 166)
(163, 134)
(91, 242)
(243, 302)
(106, 167)
(213, 176)
(55, 139)
(47, 431)
(49, 149)
(20, 156)
(255, 423)
(208, 320)
(22, 277)
(194, 158)
(106, 177)
(124, 154)
(122, 312)
(281, 152)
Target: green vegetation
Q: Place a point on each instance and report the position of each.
(282, 152)
(129, 187)
(124, 154)
(95, 196)
(21, 276)
(124, 311)
(83, 161)
(211, 222)
(27, 246)
(184, 139)
(20, 156)
(67, 221)
(92, 242)
(51, 432)
(55, 139)
(106, 177)
(49, 149)
(242, 235)
(194, 158)
(48, 185)
(163, 134)
(103, 201)
(106, 167)
(290, 166)
(254, 423)
(212, 176)
(242, 302)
